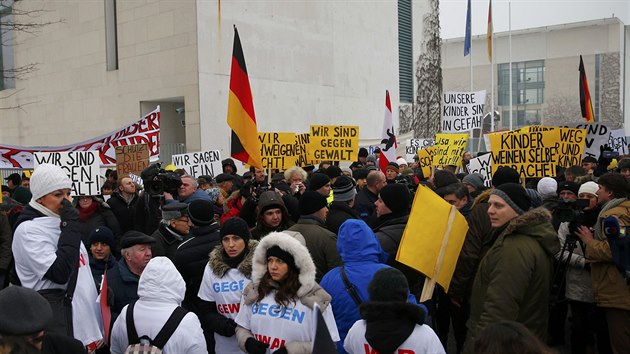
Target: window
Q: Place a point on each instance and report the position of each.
(405, 51)
(528, 90)
(111, 35)
(7, 72)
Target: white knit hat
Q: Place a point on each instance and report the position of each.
(401, 161)
(589, 187)
(547, 187)
(48, 178)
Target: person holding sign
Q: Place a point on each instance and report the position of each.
(51, 259)
(514, 278)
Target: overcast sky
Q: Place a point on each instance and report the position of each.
(526, 14)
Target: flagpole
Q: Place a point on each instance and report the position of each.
(510, 41)
(471, 81)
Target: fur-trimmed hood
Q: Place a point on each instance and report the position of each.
(300, 254)
(535, 223)
(482, 198)
(219, 267)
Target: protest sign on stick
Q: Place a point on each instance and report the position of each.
(447, 227)
(301, 154)
(597, 135)
(199, 163)
(278, 150)
(570, 142)
(531, 154)
(462, 111)
(81, 166)
(483, 166)
(131, 159)
(449, 149)
(425, 160)
(334, 143)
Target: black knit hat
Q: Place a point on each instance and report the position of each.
(318, 180)
(344, 189)
(201, 212)
(363, 152)
(23, 311)
(505, 174)
(396, 197)
(568, 186)
(102, 234)
(360, 173)
(276, 251)
(388, 284)
(236, 226)
(333, 171)
(311, 202)
(514, 195)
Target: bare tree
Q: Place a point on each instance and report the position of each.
(424, 116)
(16, 21)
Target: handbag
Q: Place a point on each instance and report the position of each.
(60, 301)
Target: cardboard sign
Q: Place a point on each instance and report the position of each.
(199, 163)
(597, 135)
(618, 141)
(131, 159)
(143, 131)
(82, 167)
(462, 111)
(277, 150)
(531, 153)
(571, 143)
(334, 143)
(449, 149)
(413, 145)
(301, 150)
(447, 227)
(425, 160)
(483, 166)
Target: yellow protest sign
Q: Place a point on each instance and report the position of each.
(530, 153)
(425, 160)
(571, 143)
(301, 156)
(450, 148)
(334, 143)
(277, 150)
(435, 230)
(131, 159)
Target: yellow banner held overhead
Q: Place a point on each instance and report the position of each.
(277, 150)
(301, 145)
(450, 148)
(570, 142)
(333, 143)
(435, 230)
(532, 152)
(425, 160)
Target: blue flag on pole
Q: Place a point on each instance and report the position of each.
(467, 39)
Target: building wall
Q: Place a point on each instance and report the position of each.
(560, 47)
(72, 97)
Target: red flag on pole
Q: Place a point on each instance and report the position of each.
(585, 96)
(106, 311)
(388, 142)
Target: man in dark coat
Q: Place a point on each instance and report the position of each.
(321, 242)
(365, 199)
(173, 230)
(123, 203)
(229, 167)
(392, 210)
(122, 280)
(191, 256)
(340, 210)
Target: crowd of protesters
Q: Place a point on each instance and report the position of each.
(247, 263)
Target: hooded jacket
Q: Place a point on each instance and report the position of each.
(321, 243)
(270, 200)
(362, 257)
(514, 278)
(161, 289)
(307, 295)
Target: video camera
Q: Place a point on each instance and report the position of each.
(157, 181)
(571, 211)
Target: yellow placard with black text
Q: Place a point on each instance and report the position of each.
(333, 143)
(277, 150)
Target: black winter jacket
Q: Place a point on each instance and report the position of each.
(123, 210)
(338, 212)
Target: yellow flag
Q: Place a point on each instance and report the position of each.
(433, 237)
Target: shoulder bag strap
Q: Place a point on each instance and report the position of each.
(350, 288)
(169, 327)
(132, 335)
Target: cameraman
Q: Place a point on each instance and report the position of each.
(611, 290)
(160, 186)
(588, 319)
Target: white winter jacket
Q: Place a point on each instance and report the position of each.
(160, 289)
(579, 286)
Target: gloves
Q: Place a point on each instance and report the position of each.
(282, 350)
(255, 347)
(68, 212)
(228, 328)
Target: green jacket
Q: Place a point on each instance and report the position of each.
(514, 278)
(321, 244)
(609, 285)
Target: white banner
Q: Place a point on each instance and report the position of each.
(144, 131)
(462, 111)
(413, 145)
(199, 163)
(483, 166)
(82, 167)
(597, 135)
(618, 141)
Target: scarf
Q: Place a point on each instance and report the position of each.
(234, 262)
(42, 209)
(86, 213)
(598, 225)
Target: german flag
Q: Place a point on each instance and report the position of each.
(585, 97)
(241, 118)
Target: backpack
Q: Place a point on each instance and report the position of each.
(146, 345)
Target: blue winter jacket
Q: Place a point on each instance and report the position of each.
(362, 256)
